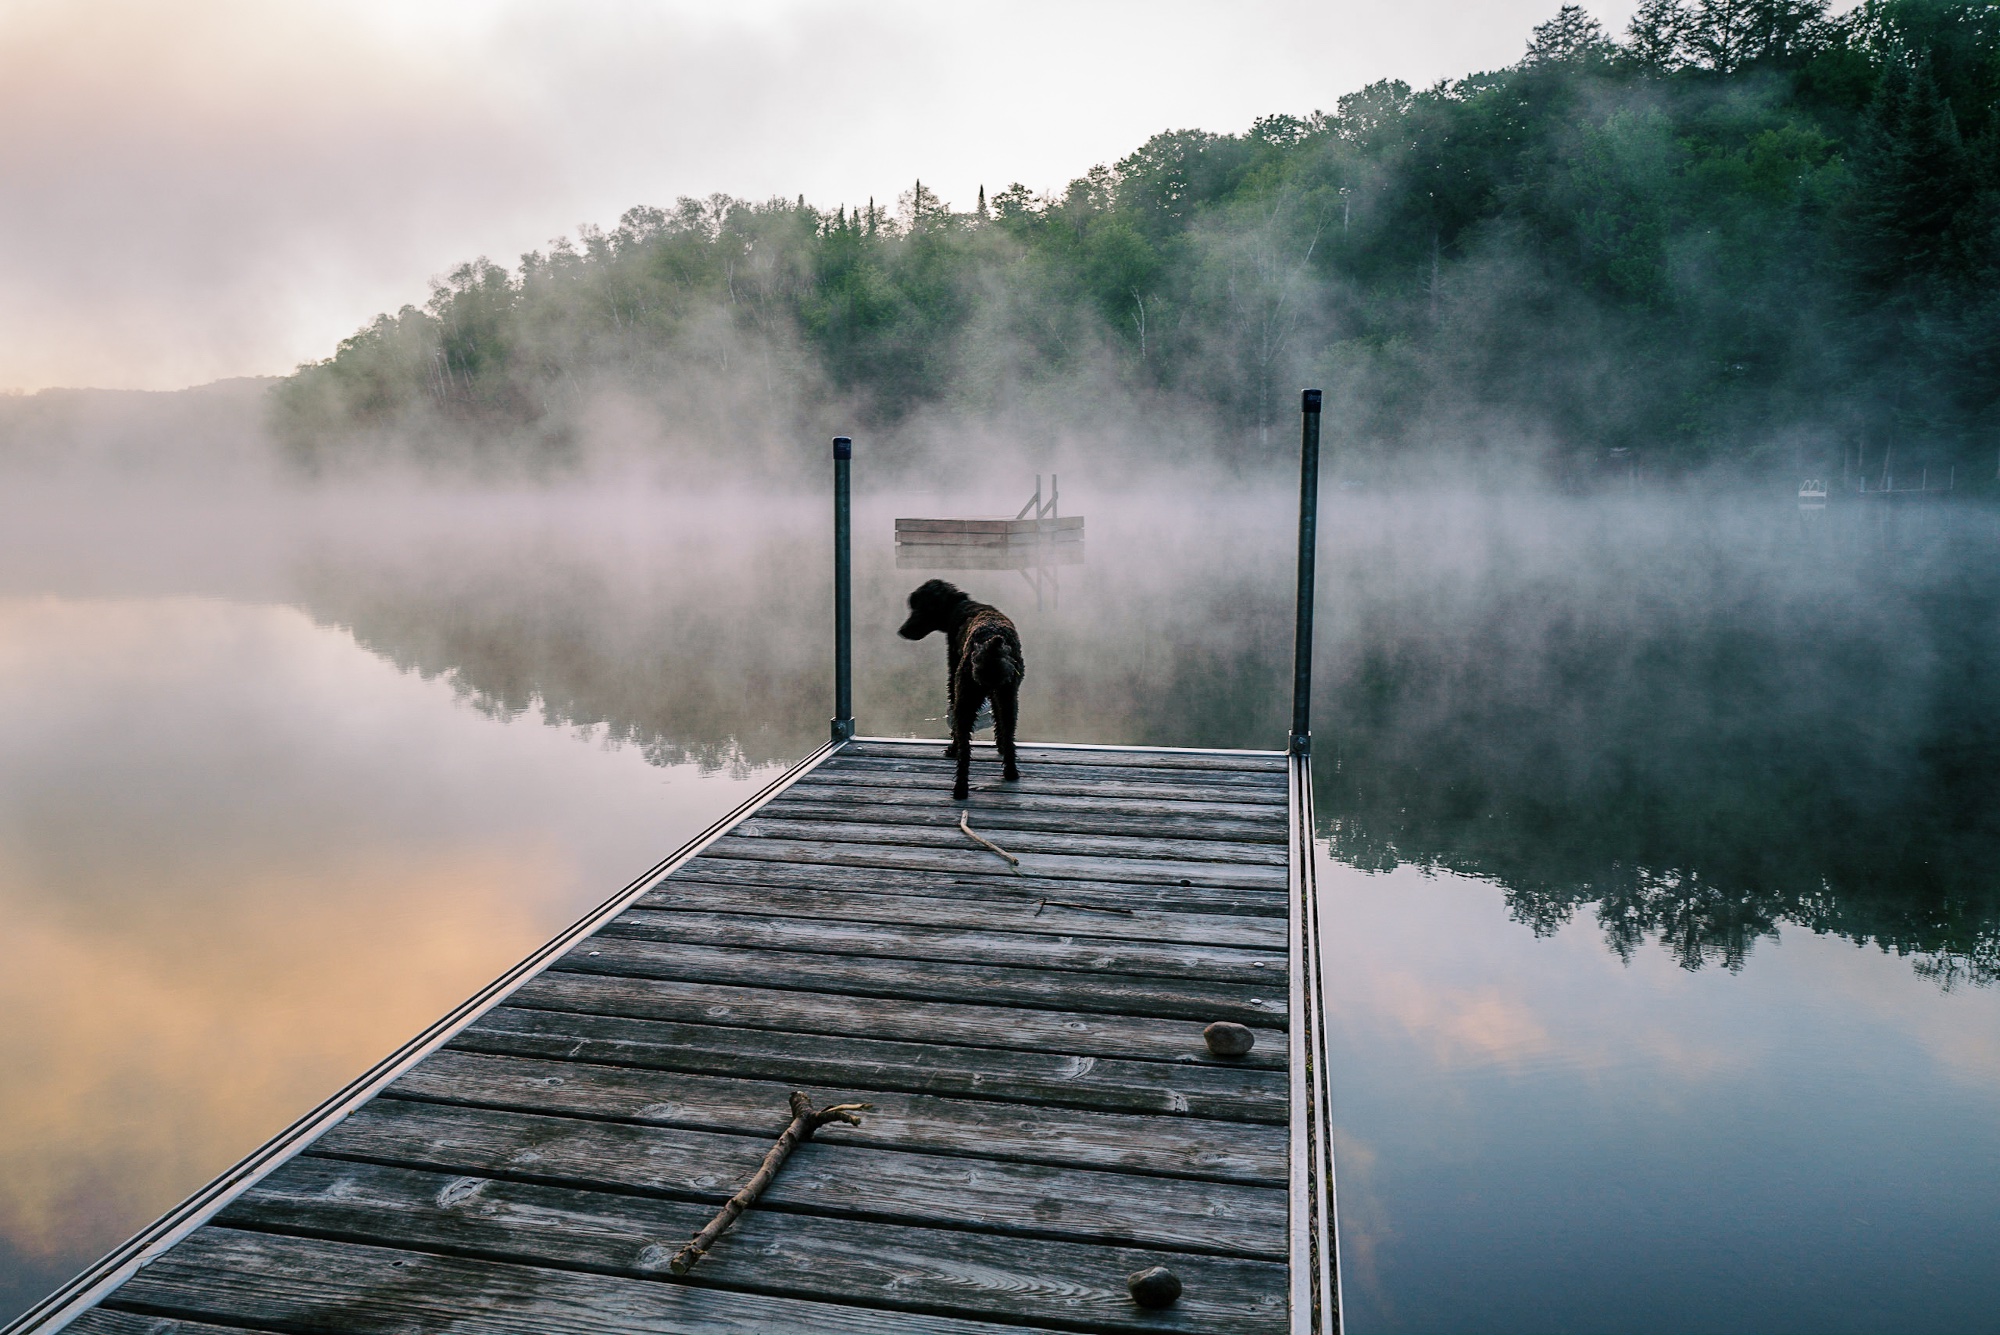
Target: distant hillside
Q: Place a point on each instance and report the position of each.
(202, 430)
(1746, 231)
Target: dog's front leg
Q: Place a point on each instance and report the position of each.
(1006, 704)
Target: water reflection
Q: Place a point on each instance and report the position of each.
(240, 859)
(1536, 1135)
(1691, 722)
(1690, 727)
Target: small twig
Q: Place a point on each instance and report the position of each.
(804, 1122)
(1088, 908)
(965, 827)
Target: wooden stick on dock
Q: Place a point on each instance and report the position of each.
(804, 1122)
(965, 828)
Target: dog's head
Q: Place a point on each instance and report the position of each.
(931, 605)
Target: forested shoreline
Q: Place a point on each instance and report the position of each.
(1747, 233)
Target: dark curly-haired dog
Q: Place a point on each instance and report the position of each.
(982, 662)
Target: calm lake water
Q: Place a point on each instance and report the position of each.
(1658, 841)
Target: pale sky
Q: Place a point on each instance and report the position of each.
(192, 189)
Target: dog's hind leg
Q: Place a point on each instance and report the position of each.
(951, 749)
(1006, 705)
(965, 712)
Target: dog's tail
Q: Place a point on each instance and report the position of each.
(996, 663)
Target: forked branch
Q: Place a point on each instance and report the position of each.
(804, 1122)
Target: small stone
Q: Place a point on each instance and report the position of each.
(1226, 1038)
(1154, 1287)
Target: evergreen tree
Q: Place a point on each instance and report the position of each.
(1571, 37)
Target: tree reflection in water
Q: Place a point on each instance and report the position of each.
(1700, 722)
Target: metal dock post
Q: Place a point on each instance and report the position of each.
(843, 593)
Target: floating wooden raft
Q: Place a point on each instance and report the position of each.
(1036, 524)
(1047, 1119)
(988, 532)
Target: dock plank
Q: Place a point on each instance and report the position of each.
(1071, 1033)
(1067, 780)
(1053, 951)
(1101, 1083)
(822, 1177)
(1014, 913)
(944, 833)
(1168, 803)
(802, 1256)
(928, 980)
(102, 1322)
(931, 809)
(990, 884)
(1171, 1147)
(289, 1283)
(816, 847)
(1270, 765)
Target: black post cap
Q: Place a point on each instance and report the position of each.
(843, 448)
(1309, 400)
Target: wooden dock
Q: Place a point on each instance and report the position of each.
(1046, 1117)
(988, 532)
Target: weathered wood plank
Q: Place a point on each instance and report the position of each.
(1168, 1146)
(1066, 1032)
(1023, 1134)
(1260, 763)
(1014, 913)
(1068, 780)
(995, 886)
(945, 834)
(929, 809)
(275, 1281)
(98, 1321)
(818, 848)
(1104, 1083)
(930, 980)
(1089, 954)
(1071, 1204)
(803, 1256)
(1017, 797)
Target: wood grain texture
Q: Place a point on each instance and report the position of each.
(101, 1322)
(943, 833)
(1072, 781)
(1084, 954)
(967, 1275)
(1107, 1084)
(293, 1284)
(1167, 804)
(967, 859)
(1270, 765)
(1065, 1137)
(1059, 1032)
(822, 1177)
(996, 886)
(924, 980)
(1028, 815)
(1011, 913)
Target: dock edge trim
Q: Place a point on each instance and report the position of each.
(1313, 1253)
(97, 1281)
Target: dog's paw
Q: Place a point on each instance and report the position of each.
(1011, 775)
(960, 794)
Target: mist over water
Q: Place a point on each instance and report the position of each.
(1632, 804)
